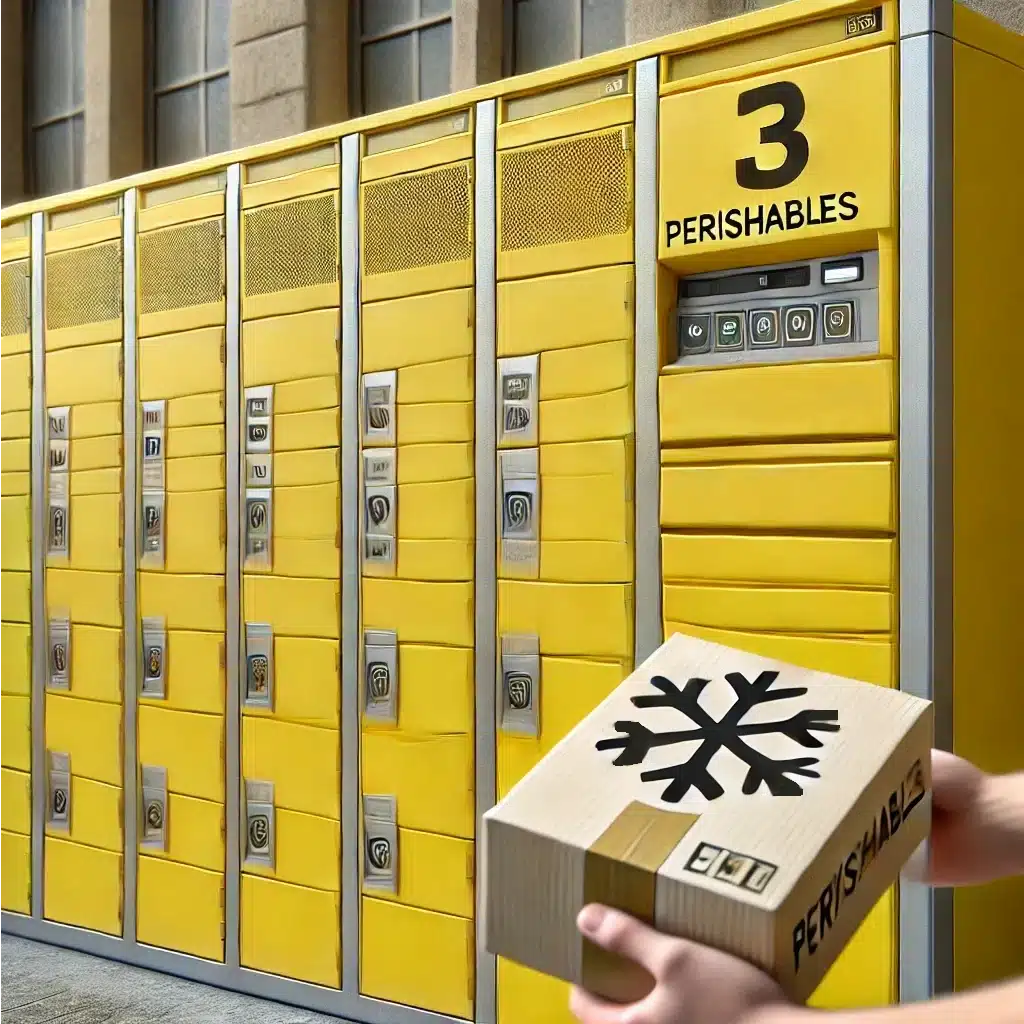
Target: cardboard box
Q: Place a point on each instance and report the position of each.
(738, 801)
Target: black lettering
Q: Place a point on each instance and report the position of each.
(812, 930)
(868, 848)
(825, 909)
(916, 778)
(784, 131)
(673, 229)
(894, 813)
(720, 215)
(837, 886)
(828, 208)
(733, 223)
(794, 214)
(750, 221)
(799, 938)
(883, 829)
(850, 874)
(707, 226)
(774, 219)
(846, 201)
(689, 230)
(811, 219)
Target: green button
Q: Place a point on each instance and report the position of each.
(729, 330)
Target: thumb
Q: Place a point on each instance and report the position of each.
(619, 933)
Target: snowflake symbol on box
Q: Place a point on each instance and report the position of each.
(636, 741)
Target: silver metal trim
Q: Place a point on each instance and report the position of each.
(485, 621)
(351, 435)
(517, 416)
(130, 551)
(920, 16)
(647, 627)
(40, 530)
(209, 972)
(381, 852)
(925, 456)
(233, 637)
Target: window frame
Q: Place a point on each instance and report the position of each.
(407, 28)
(201, 78)
(508, 36)
(32, 124)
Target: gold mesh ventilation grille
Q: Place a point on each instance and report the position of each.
(291, 245)
(566, 191)
(181, 266)
(417, 220)
(83, 286)
(14, 298)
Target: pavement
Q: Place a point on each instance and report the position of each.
(48, 985)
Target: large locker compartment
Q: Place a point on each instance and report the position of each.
(564, 392)
(290, 692)
(15, 569)
(180, 420)
(416, 535)
(84, 544)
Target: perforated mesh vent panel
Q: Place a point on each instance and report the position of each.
(83, 286)
(181, 266)
(291, 245)
(15, 298)
(566, 191)
(417, 220)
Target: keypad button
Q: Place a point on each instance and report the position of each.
(764, 328)
(695, 333)
(728, 331)
(837, 319)
(800, 325)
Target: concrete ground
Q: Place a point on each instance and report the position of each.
(47, 985)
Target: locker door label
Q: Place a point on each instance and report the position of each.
(59, 674)
(379, 407)
(520, 685)
(518, 383)
(58, 783)
(258, 528)
(259, 416)
(258, 471)
(153, 504)
(519, 513)
(153, 442)
(259, 665)
(379, 468)
(380, 516)
(380, 699)
(259, 823)
(154, 808)
(58, 458)
(154, 659)
(380, 843)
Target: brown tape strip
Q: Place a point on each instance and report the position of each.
(620, 870)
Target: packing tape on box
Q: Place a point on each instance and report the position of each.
(620, 870)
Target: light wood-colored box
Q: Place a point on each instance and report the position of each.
(738, 801)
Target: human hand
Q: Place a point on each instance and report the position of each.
(692, 983)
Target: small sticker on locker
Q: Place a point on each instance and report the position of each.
(380, 843)
(517, 389)
(520, 507)
(379, 467)
(259, 823)
(380, 515)
(520, 684)
(154, 808)
(59, 674)
(258, 470)
(379, 407)
(58, 423)
(154, 659)
(58, 460)
(380, 700)
(257, 528)
(153, 415)
(259, 665)
(259, 414)
(58, 783)
(58, 529)
(153, 529)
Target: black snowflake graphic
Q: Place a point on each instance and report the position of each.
(636, 740)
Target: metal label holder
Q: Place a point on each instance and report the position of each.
(154, 659)
(380, 844)
(58, 676)
(519, 513)
(518, 387)
(259, 823)
(519, 699)
(259, 665)
(58, 467)
(58, 784)
(153, 823)
(378, 398)
(380, 680)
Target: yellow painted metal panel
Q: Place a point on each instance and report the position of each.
(97, 814)
(15, 801)
(189, 745)
(305, 469)
(587, 417)
(303, 183)
(96, 481)
(292, 347)
(91, 373)
(96, 662)
(290, 301)
(823, 399)
(95, 452)
(195, 410)
(423, 463)
(97, 905)
(306, 395)
(586, 561)
(15, 382)
(435, 560)
(291, 931)
(526, 996)
(194, 672)
(301, 760)
(302, 557)
(16, 595)
(185, 442)
(185, 318)
(307, 685)
(404, 159)
(15, 248)
(296, 431)
(448, 381)
(96, 532)
(589, 306)
(199, 473)
(96, 419)
(580, 117)
(89, 597)
(809, 496)
(586, 491)
(15, 483)
(784, 451)
(435, 423)
(585, 370)
(420, 612)
(581, 619)
(180, 907)
(184, 602)
(15, 424)
(178, 211)
(424, 328)
(87, 232)
(985, 34)
(178, 365)
(566, 256)
(431, 775)
(195, 832)
(16, 872)
(437, 511)
(16, 455)
(16, 658)
(196, 532)
(86, 335)
(307, 851)
(15, 515)
(417, 957)
(418, 280)
(434, 873)
(293, 607)
(88, 730)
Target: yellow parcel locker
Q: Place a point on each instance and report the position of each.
(96, 662)
(181, 907)
(90, 732)
(417, 957)
(97, 905)
(435, 423)
(440, 613)
(199, 473)
(313, 428)
(181, 365)
(189, 745)
(88, 373)
(96, 815)
(195, 833)
(450, 380)
(307, 851)
(307, 530)
(16, 457)
(426, 463)
(90, 597)
(196, 532)
(17, 532)
(293, 347)
(16, 729)
(15, 658)
(435, 872)
(194, 671)
(306, 395)
(184, 602)
(96, 532)
(15, 382)
(195, 410)
(15, 594)
(96, 419)
(15, 801)
(596, 369)
(436, 511)
(293, 607)
(16, 872)
(586, 417)
(307, 686)
(435, 689)
(195, 441)
(291, 931)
